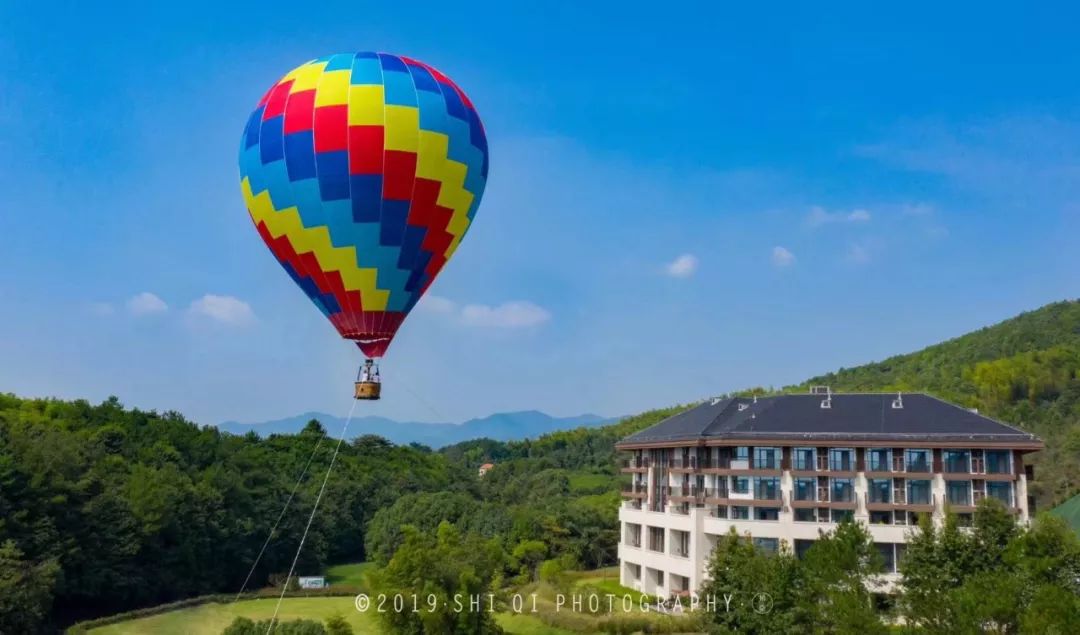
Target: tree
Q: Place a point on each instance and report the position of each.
(25, 590)
(738, 574)
(336, 625)
(835, 575)
(529, 554)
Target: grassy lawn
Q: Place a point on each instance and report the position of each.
(523, 624)
(211, 619)
(354, 574)
(589, 483)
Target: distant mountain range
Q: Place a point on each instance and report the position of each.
(503, 426)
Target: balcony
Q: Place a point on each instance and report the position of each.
(683, 464)
(634, 490)
(636, 464)
(683, 494)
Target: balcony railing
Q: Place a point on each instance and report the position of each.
(681, 463)
(635, 463)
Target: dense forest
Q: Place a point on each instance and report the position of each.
(104, 508)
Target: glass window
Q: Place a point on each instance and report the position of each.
(888, 555)
(801, 547)
(1001, 490)
(740, 512)
(997, 462)
(719, 511)
(879, 460)
(768, 545)
(880, 518)
(656, 539)
(803, 459)
(958, 492)
(740, 484)
(766, 488)
(880, 490)
(804, 515)
(842, 459)
(840, 515)
(766, 513)
(805, 488)
(918, 492)
(742, 453)
(917, 460)
(956, 460)
(843, 490)
(766, 458)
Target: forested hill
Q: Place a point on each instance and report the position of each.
(1024, 371)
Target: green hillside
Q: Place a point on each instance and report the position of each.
(1069, 511)
(1024, 371)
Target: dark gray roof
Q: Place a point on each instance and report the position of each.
(852, 416)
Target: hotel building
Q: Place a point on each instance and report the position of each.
(781, 468)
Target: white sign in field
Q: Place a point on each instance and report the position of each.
(313, 582)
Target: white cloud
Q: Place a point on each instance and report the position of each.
(102, 308)
(858, 254)
(916, 209)
(782, 257)
(682, 267)
(519, 314)
(820, 216)
(146, 303)
(436, 304)
(223, 308)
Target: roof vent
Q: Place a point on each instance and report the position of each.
(975, 410)
(826, 403)
(743, 406)
(755, 398)
(898, 403)
(820, 390)
(715, 401)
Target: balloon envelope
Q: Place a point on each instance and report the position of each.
(362, 173)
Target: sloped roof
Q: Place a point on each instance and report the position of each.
(851, 416)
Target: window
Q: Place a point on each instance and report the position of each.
(840, 515)
(804, 515)
(740, 484)
(918, 492)
(918, 460)
(956, 460)
(879, 490)
(805, 488)
(767, 545)
(997, 462)
(719, 511)
(766, 513)
(766, 458)
(843, 490)
(740, 512)
(881, 518)
(841, 459)
(766, 488)
(656, 539)
(742, 453)
(803, 459)
(879, 460)
(633, 534)
(801, 547)
(1001, 490)
(958, 492)
(680, 543)
(888, 555)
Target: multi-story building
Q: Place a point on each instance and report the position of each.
(781, 468)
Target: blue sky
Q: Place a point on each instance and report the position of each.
(681, 202)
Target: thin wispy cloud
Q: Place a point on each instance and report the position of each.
(224, 309)
(102, 309)
(436, 304)
(682, 267)
(508, 315)
(858, 254)
(819, 216)
(146, 303)
(782, 257)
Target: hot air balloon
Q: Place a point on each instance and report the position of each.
(362, 173)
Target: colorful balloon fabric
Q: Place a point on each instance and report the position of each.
(362, 173)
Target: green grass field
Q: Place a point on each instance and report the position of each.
(1070, 512)
(211, 619)
(355, 574)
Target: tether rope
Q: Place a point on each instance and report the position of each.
(284, 509)
(315, 508)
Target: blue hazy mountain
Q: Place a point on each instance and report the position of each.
(503, 426)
